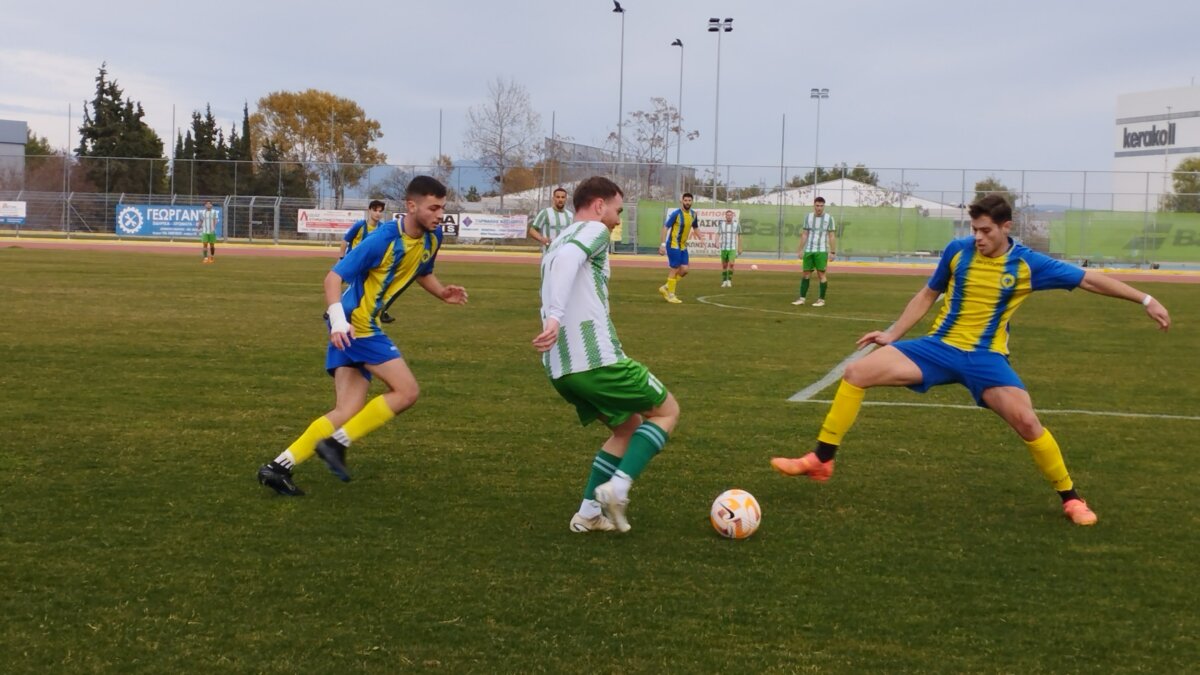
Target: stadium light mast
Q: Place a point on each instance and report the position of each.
(718, 26)
(818, 94)
(618, 9)
(1166, 162)
(679, 122)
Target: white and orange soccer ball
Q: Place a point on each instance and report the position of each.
(735, 514)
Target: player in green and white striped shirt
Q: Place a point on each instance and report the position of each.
(816, 249)
(588, 368)
(552, 220)
(729, 237)
(208, 233)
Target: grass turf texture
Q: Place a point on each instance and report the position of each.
(141, 391)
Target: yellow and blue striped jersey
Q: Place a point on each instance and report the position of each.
(357, 232)
(982, 293)
(679, 225)
(380, 268)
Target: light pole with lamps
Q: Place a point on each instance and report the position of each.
(817, 94)
(679, 121)
(618, 9)
(718, 26)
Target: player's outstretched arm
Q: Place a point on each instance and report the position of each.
(453, 295)
(1102, 284)
(340, 330)
(916, 308)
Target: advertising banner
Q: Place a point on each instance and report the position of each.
(326, 221)
(152, 220)
(475, 226)
(12, 213)
(705, 241)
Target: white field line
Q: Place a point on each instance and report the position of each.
(799, 314)
(1097, 413)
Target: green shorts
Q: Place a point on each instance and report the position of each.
(728, 256)
(611, 393)
(210, 238)
(815, 261)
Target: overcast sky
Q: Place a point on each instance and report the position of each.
(923, 83)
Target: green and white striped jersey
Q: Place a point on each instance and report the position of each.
(551, 223)
(727, 235)
(208, 222)
(818, 230)
(575, 291)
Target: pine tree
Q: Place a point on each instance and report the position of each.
(114, 129)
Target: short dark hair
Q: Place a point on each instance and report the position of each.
(424, 186)
(376, 204)
(993, 205)
(819, 200)
(729, 212)
(558, 190)
(596, 187)
(687, 194)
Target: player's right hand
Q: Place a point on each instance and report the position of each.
(662, 250)
(341, 339)
(875, 337)
(544, 340)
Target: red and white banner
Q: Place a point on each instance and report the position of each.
(705, 241)
(326, 221)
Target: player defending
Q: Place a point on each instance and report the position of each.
(729, 234)
(358, 231)
(678, 228)
(552, 220)
(586, 365)
(208, 234)
(985, 279)
(816, 249)
(378, 269)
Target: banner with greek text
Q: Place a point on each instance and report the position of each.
(153, 220)
(12, 213)
(475, 226)
(326, 221)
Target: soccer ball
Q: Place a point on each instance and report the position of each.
(754, 267)
(735, 514)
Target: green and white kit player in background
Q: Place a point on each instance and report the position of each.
(208, 234)
(552, 220)
(729, 236)
(816, 249)
(583, 357)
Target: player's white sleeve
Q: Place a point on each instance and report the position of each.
(559, 278)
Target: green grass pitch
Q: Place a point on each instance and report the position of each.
(141, 391)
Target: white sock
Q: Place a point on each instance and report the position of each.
(286, 460)
(621, 483)
(589, 508)
(341, 437)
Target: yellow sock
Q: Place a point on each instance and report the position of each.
(842, 413)
(671, 281)
(373, 415)
(1049, 460)
(304, 447)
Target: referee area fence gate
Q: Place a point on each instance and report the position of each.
(884, 214)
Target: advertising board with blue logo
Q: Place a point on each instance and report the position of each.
(12, 213)
(142, 220)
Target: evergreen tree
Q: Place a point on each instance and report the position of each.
(114, 129)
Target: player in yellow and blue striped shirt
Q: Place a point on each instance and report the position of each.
(985, 279)
(358, 231)
(677, 230)
(380, 268)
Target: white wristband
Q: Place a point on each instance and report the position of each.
(337, 319)
(1147, 300)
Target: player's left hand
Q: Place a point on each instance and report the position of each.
(454, 295)
(1159, 313)
(544, 340)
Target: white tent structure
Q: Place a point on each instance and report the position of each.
(847, 192)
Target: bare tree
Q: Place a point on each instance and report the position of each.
(648, 135)
(503, 130)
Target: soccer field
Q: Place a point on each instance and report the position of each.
(141, 391)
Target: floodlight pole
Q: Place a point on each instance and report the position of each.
(818, 94)
(679, 122)
(718, 26)
(618, 9)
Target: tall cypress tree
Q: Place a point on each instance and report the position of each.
(115, 129)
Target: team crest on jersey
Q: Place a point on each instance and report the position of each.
(426, 255)
(1007, 280)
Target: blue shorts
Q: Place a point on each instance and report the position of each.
(370, 350)
(941, 363)
(676, 257)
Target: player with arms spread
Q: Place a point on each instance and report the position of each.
(380, 268)
(985, 279)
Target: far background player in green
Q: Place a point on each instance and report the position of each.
(729, 237)
(587, 366)
(816, 250)
(208, 233)
(552, 220)
(358, 231)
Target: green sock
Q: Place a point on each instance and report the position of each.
(804, 288)
(603, 467)
(647, 442)
(824, 285)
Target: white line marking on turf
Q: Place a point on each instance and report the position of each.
(830, 377)
(1097, 413)
(795, 313)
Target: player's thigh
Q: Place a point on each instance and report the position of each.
(396, 374)
(1014, 406)
(884, 367)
